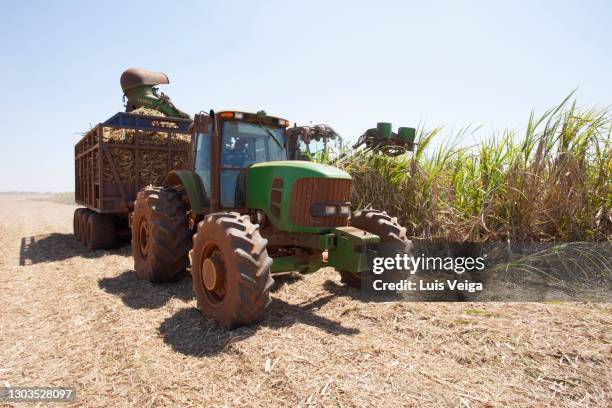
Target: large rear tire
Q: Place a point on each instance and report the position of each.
(160, 234)
(230, 270)
(392, 235)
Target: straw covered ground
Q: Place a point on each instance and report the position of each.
(76, 319)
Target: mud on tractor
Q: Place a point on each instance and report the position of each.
(240, 212)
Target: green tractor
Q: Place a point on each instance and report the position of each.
(243, 212)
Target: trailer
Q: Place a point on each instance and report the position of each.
(116, 159)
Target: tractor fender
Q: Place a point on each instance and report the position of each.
(193, 186)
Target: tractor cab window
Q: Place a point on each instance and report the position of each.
(202, 162)
(244, 144)
(248, 143)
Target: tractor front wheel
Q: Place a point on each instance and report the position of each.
(160, 234)
(230, 268)
(392, 235)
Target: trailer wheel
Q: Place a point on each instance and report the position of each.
(160, 234)
(101, 228)
(392, 236)
(76, 222)
(230, 270)
(85, 233)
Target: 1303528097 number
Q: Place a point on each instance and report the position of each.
(16, 394)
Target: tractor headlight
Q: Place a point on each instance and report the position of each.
(345, 210)
(330, 210)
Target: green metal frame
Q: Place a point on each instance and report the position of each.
(145, 96)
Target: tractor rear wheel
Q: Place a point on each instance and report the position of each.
(230, 270)
(101, 228)
(392, 235)
(160, 234)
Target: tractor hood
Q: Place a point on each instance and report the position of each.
(304, 168)
(286, 191)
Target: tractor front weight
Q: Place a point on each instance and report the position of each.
(353, 250)
(348, 249)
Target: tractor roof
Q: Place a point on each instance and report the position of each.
(260, 116)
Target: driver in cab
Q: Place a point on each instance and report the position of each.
(238, 156)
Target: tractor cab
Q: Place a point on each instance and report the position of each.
(226, 144)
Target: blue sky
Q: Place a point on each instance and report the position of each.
(347, 64)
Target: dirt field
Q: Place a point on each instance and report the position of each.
(69, 318)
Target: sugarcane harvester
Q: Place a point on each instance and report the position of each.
(378, 140)
(382, 139)
(239, 212)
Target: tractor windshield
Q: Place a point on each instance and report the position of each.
(248, 143)
(244, 144)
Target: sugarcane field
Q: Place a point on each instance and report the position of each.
(340, 204)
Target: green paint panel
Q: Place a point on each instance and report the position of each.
(260, 179)
(352, 249)
(193, 186)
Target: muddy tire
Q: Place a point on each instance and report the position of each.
(230, 270)
(160, 235)
(392, 235)
(76, 222)
(101, 229)
(84, 226)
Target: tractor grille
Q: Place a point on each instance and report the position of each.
(308, 191)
